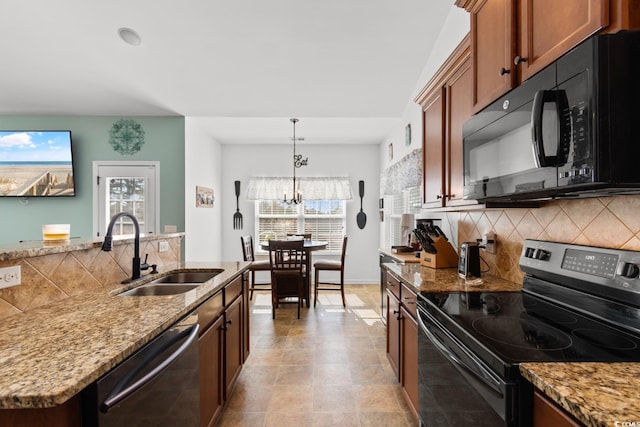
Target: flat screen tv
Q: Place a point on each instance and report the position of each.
(36, 164)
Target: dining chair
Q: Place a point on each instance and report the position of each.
(328, 265)
(256, 265)
(287, 272)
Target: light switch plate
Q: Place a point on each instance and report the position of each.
(9, 276)
(163, 246)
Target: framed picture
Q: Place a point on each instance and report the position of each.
(407, 135)
(204, 197)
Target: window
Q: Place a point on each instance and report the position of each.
(408, 201)
(125, 187)
(324, 219)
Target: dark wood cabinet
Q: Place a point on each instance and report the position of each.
(446, 105)
(246, 312)
(211, 348)
(223, 347)
(546, 413)
(493, 46)
(402, 337)
(547, 29)
(393, 332)
(409, 347)
(233, 348)
(66, 415)
(511, 40)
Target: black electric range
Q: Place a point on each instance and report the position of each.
(578, 304)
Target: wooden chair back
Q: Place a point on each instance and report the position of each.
(247, 247)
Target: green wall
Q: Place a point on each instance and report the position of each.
(22, 218)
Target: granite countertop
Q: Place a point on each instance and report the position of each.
(425, 279)
(597, 394)
(31, 248)
(49, 354)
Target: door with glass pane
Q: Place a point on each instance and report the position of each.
(126, 187)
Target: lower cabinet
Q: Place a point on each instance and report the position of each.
(547, 413)
(402, 337)
(409, 351)
(393, 332)
(233, 356)
(223, 348)
(211, 372)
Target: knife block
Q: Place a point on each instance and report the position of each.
(444, 257)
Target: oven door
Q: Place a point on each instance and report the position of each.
(456, 388)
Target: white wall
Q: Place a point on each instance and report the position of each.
(456, 27)
(358, 162)
(202, 240)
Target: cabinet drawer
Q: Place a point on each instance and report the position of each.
(209, 311)
(393, 285)
(232, 291)
(409, 300)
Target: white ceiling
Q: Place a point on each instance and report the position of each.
(346, 68)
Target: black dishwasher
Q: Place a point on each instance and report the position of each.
(157, 386)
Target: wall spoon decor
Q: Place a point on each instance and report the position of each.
(361, 218)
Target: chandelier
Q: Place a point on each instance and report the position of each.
(297, 162)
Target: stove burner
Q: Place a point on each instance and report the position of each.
(521, 333)
(605, 339)
(557, 317)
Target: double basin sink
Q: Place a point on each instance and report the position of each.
(173, 284)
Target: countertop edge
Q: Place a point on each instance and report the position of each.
(595, 393)
(31, 248)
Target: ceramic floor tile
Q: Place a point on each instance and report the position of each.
(328, 368)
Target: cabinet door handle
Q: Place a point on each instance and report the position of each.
(503, 71)
(518, 59)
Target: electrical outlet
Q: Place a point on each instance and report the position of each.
(163, 246)
(9, 276)
(489, 243)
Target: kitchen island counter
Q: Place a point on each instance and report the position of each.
(51, 353)
(597, 394)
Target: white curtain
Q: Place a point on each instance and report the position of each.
(312, 188)
(406, 173)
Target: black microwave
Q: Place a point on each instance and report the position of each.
(571, 130)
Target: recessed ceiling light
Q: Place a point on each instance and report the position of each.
(129, 36)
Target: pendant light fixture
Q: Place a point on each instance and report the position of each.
(297, 162)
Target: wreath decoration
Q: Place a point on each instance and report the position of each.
(126, 136)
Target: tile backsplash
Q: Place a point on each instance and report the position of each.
(54, 277)
(611, 222)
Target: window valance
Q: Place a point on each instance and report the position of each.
(312, 188)
(406, 173)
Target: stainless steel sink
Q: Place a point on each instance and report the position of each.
(188, 277)
(159, 289)
(173, 284)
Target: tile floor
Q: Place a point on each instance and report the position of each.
(328, 368)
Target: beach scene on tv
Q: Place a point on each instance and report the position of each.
(36, 163)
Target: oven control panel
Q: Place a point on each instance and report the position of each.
(563, 262)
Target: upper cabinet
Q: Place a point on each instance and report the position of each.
(493, 49)
(446, 105)
(511, 40)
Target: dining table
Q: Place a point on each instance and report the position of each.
(308, 247)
